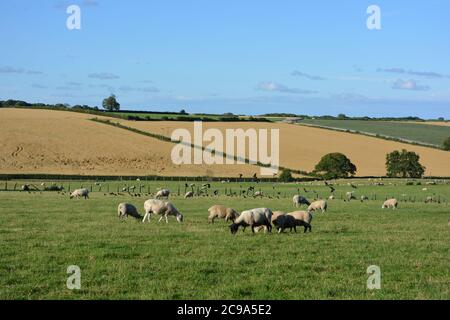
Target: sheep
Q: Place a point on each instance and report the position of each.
(297, 218)
(331, 197)
(363, 198)
(162, 208)
(125, 209)
(298, 200)
(258, 194)
(189, 194)
(429, 199)
(316, 205)
(80, 193)
(222, 212)
(163, 193)
(350, 195)
(390, 203)
(253, 218)
(274, 220)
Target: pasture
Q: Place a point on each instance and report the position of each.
(42, 233)
(409, 131)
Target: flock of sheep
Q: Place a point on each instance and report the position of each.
(257, 219)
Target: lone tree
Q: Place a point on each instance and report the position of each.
(111, 103)
(404, 164)
(446, 144)
(335, 165)
(286, 176)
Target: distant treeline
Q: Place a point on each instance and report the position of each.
(125, 114)
(345, 117)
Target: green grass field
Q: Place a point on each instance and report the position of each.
(414, 132)
(43, 233)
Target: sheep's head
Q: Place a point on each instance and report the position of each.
(234, 228)
(180, 218)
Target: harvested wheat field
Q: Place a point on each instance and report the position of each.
(302, 147)
(60, 142)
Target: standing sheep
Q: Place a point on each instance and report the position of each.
(189, 194)
(253, 218)
(125, 209)
(298, 200)
(350, 195)
(162, 208)
(163, 193)
(390, 203)
(295, 219)
(318, 205)
(80, 193)
(222, 212)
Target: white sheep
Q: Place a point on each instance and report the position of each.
(318, 205)
(126, 209)
(222, 212)
(162, 208)
(189, 194)
(390, 203)
(253, 218)
(258, 194)
(298, 200)
(80, 193)
(331, 197)
(363, 198)
(163, 193)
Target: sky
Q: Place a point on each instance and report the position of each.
(246, 57)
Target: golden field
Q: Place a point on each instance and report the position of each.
(59, 142)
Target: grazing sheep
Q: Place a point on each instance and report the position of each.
(162, 208)
(298, 200)
(80, 193)
(189, 194)
(258, 194)
(331, 197)
(253, 218)
(350, 195)
(298, 218)
(163, 193)
(125, 209)
(363, 198)
(275, 222)
(429, 199)
(316, 205)
(390, 203)
(222, 212)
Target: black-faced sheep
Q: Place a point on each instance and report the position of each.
(298, 200)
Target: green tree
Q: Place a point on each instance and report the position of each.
(335, 165)
(404, 164)
(111, 103)
(446, 144)
(285, 176)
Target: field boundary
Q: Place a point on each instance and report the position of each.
(373, 135)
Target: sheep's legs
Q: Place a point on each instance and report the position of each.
(160, 219)
(167, 221)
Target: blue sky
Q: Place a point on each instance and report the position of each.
(252, 57)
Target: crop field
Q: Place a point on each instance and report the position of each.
(42, 233)
(415, 132)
